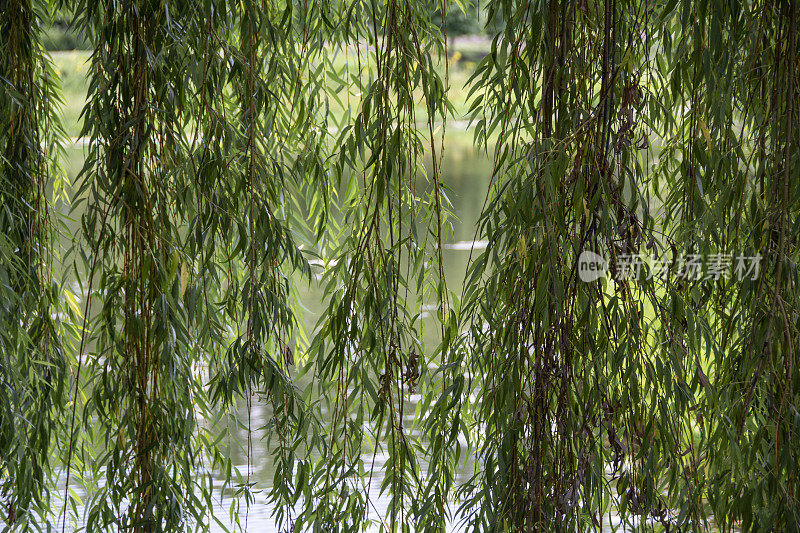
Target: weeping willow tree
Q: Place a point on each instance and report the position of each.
(239, 152)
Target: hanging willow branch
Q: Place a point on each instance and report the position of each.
(32, 361)
(138, 359)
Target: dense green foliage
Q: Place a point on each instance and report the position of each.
(233, 158)
(32, 360)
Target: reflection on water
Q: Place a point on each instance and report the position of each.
(261, 467)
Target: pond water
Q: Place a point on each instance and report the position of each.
(466, 172)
